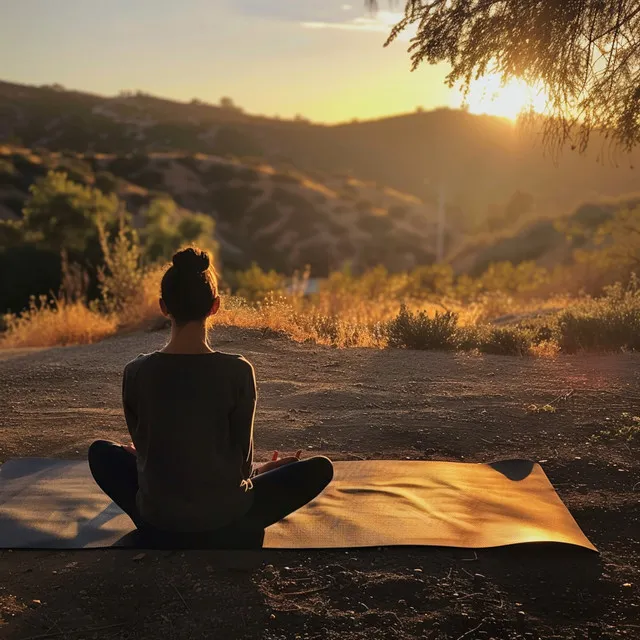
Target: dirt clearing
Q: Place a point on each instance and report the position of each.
(348, 404)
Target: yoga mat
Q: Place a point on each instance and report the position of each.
(46, 503)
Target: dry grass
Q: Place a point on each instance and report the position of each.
(303, 321)
(59, 323)
(143, 310)
(373, 313)
(47, 324)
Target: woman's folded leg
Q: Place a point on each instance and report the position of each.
(284, 490)
(114, 470)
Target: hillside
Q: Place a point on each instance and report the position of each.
(281, 219)
(542, 239)
(481, 161)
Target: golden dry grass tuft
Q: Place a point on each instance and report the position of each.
(46, 324)
(143, 311)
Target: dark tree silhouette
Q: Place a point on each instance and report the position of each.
(585, 53)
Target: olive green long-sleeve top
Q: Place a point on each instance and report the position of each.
(190, 417)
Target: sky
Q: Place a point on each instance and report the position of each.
(322, 59)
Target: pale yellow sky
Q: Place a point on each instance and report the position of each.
(322, 59)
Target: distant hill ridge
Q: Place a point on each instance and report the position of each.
(290, 192)
(479, 161)
(281, 219)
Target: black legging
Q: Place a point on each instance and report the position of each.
(277, 493)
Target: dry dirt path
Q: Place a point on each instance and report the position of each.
(347, 403)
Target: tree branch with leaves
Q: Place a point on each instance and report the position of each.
(585, 54)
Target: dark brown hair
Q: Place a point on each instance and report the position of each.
(189, 286)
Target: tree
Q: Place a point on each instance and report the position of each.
(585, 54)
(62, 215)
(228, 104)
(619, 240)
(167, 228)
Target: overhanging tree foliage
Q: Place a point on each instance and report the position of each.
(585, 53)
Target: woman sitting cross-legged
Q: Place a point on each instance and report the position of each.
(187, 480)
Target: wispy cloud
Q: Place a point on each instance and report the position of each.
(380, 22)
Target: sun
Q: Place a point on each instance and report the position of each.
(489, 95)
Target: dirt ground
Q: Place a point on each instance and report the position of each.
(347, 404)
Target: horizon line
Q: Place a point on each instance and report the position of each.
(299, 118)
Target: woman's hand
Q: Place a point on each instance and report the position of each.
(130, 448)
(278, 462)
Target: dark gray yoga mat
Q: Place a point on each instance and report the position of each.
(49, 504)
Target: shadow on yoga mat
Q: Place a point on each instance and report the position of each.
(46, 503)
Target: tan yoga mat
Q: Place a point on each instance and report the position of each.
(46, 503)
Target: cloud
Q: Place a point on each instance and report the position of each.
(296, 10)
(380, 22)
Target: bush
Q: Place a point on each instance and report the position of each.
(611, 323)
(166, 228)
(255, 285)
(419, 331)
(121, 276)
(506, 341)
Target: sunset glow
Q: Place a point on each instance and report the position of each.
(488, 95)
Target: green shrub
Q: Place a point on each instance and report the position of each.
(506, 341)
(255, 285)
(418, 331)
(611, 323)
(167, 228)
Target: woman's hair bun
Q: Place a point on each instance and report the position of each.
(192, 260)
